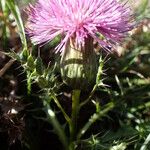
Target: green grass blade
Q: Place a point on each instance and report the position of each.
(5, 30)
(16, 13)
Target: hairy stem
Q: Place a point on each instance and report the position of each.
(74, 117)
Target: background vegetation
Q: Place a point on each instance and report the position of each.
(28, 75)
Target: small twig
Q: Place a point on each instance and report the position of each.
(6, 67)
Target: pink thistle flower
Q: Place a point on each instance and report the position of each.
(106, 21)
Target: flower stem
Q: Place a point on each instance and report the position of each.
(74, 117)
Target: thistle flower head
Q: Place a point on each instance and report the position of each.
(106, 21)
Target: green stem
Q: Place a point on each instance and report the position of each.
(74, 117)
(146, 143)
(57, 127)
(93, 119)
(29, 82)
(60, 107)
(90, 96)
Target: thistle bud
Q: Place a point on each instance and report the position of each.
(78, 64)
(39, 66)
(79, 23)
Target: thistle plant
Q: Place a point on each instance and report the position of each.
(80, 23)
